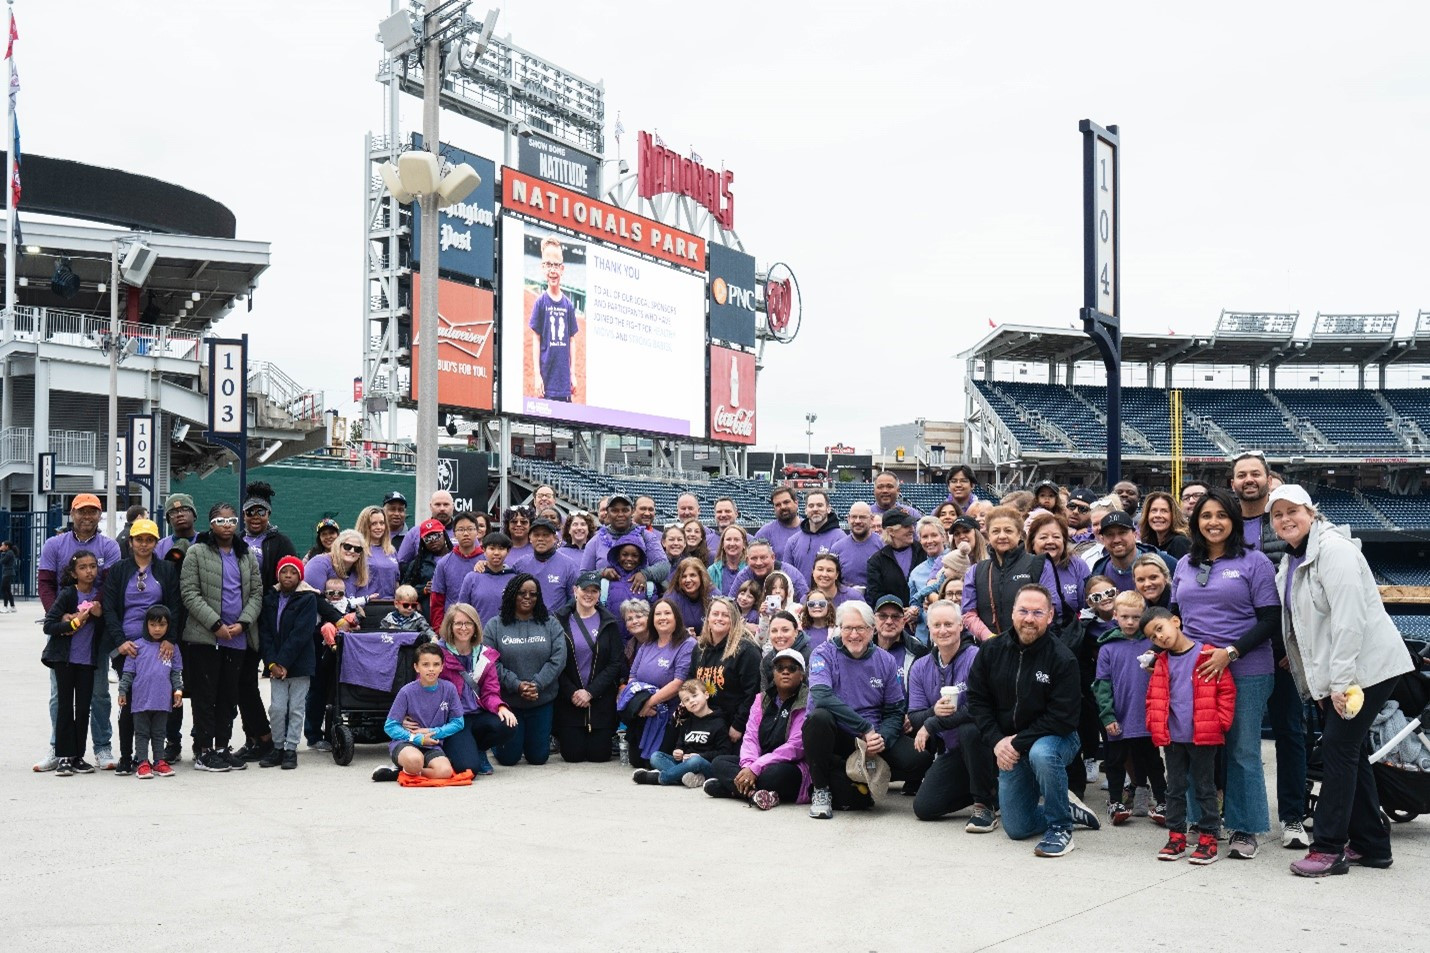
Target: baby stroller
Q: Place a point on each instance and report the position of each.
(371, 666)
(1404, 793)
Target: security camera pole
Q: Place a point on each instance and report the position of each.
(427, 317)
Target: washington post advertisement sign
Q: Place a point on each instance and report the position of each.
(467, 230)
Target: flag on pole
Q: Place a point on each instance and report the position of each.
(620, 129)
(14, 116)
(991, 324)
(655, 136)
(695, 156)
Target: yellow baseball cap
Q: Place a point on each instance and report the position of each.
(143, 528)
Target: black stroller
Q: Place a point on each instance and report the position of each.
(371, 666)
(1404, 794)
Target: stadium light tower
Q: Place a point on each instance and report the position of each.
(809, 420)
(424, 176)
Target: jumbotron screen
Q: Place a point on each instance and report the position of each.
(603, 314)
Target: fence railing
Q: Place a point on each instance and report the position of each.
(50, 325)
(299, 402)
(72, 448)
(17, 445)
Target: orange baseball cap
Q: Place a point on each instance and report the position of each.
(86, 499)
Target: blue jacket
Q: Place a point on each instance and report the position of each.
(288, 641)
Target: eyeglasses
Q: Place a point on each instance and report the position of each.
(224, 521)
(463, 624)
(409, 605)
(855, 629)
(1030, 613)
(1098, 598)
(350, 548)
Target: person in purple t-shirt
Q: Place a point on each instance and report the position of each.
(1225, 595)
(423, 713)
(150, 688)
(75, 626)
(1120, 687)
(554, 320)
(785, 526)
(855, 549)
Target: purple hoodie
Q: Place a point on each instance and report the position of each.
(778, 534)
(600, 546)
(804, 546)
(618, 590)
(927, 681)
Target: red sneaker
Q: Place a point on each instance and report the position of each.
(163, 770)
(1175, 848)
(144, 772)
(1206, 852)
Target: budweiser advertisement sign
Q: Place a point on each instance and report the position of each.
(732, 396)
(464, 344)
(664, 171)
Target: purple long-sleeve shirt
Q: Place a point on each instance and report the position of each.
(928, 678)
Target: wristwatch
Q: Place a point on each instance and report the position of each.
(1232, 654)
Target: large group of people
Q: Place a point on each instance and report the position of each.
(996, 656)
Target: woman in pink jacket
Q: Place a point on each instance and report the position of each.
(472, 670)
(770, 767)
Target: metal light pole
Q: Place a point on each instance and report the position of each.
(427, 318)
(112, 467)
(809, 420)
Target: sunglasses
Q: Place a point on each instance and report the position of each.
(350, 548)
(224, 521)
(816, 604)
(527, 594)
(786, 669)
(335, 594)
(1098, 598)
(431, 536)
(1079, 508)
(1204, 574)
(407, 605)
(139, 580)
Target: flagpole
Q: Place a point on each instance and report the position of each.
(11, 249)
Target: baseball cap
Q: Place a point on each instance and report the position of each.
(327, 522)
(898, 516)
(429, 527)
(547, 525)
(1117, 520)
(791, 654)
(966, 522)
(1083, 495)
(1050, 484)
(1291, 493)
(86, 499)
(590, 579)
(257, 503)
(888, 599)
(178, 501)
(143, 528)
(619, 497)
(394, 496)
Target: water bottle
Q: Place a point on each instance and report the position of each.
(625, 749)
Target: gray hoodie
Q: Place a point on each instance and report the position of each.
(528, 651)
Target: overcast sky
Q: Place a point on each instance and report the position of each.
(918, 164)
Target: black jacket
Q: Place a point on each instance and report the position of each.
(707, 737)
(733, 683)
(1028, 691)
(57, 647)
(116, 581)
(996, 581)
(886, 577)
(288, 641)
(1272, 545)
(275, 547)
(607, 664)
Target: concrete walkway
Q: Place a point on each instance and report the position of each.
(578, 858)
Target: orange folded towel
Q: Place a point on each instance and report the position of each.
(461, 779)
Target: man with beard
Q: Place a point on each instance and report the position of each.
(441, 507)
(817, 534)
(780, 530)
(1120, 550)
(855, 549)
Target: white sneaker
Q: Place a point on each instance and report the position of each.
(1293, 836)
(104, 758)
(1090, 766)
(48, 763)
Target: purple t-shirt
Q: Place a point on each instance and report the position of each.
(153, 690)
(1117, 662)
(927, 679)
(904, 505)
(556, 575)
(817, 636)
(82, 642)
(429, 707)
(370, 658)
(320, 569)
(483, 592)
(231, 600)
(598, 548)
(854, 557)
(57, 551)
(657, 665)
(255, 545)
(1224, 609)
(452, 570)
(554, 321)
(778, 535)
(580, 648)
(167, 543)
(382, 571)
(137, 603)
(864, 684)
(1181, 682)
(1071, 583)
(1251, 531)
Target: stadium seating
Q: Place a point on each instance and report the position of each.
(1147, 410)
(1343, 508)
(1406, 512)
(1352, 419)
(1012, 416)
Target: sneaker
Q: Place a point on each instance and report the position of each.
(254, 750)
(821, 804)
(1054, 844)
(384, 774)
(645, 776)
(713, 787)
(290, 760)
(1242, 845)
(1354, 856)
(322, 744)
(144, 772)
(162, 770)
(693, 780)
(1293, 836)
(1206, 852)
(81, 766)
(124, 767)
(1118, 813)
(484, 764)
(271, 759)
(764, 800)
(63, 768)
(1089, 767)
(1157, 814)
(982, 820)
(105, 759)
(1317, 864)
(211, 761)
(234, 762)
(1175, 848)
(48, 763)
(1082, 815)
(1141, 802)
(173, 752)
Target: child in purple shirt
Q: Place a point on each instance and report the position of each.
(1120, 687)
(151, 686)
(424, 712)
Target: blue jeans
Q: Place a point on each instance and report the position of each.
(1288, 725)
(1244, 805)
(1041, 773)
(671, 771)
(531, 737)
(101, 734)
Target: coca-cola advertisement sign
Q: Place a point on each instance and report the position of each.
(732, 396)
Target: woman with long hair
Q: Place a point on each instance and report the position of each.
(381, 556)
(689, 588)
(660, 666)
(726, 565)
(1153, 580)
(728, 662)
(695, 541)
(1163, 525)
(580, 527)
(346, 560)
(1048, 535)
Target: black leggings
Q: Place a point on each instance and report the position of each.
(1146, 763)
(585, 734)
(7, 595)
(211, 676)
(75, 684)
(782, 777)
(250, 701)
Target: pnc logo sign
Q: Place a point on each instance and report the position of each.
(737, 297)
